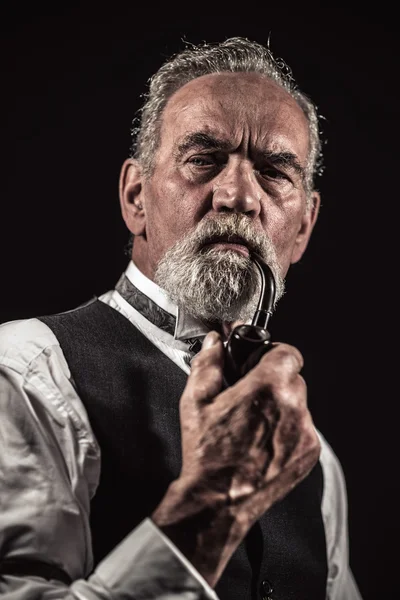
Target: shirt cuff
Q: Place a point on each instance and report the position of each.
(147, 565)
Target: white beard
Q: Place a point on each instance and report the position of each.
(217, 285)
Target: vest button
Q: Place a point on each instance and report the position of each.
(266, 589)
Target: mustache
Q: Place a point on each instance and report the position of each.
(233, 228)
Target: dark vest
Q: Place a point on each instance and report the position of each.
(131, 392)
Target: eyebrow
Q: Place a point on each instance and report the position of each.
(201, 140)
(205, 141)
(284, 159)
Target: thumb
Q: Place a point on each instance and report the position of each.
(210, 340)
(205, 379)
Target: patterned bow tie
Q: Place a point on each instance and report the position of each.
(151, 311)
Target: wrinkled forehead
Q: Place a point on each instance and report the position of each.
(247, 108)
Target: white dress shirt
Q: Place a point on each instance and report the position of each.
(50, 467)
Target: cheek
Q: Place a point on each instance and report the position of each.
(184, 201)
(282, 225)
(172, 212)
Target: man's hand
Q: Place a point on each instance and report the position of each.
(243, 449)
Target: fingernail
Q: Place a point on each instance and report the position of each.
(210, 339)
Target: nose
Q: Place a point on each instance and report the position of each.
(237, 190)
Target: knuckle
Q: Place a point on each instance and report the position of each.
(284, 357)
(201, 361)
(196, 363)
(289, 394)
(276, 379)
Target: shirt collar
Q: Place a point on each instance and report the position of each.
(186, 326)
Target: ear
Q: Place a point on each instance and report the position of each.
(307, 225)
(131, 197)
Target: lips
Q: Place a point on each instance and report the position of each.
(229, 242)
(226, 239)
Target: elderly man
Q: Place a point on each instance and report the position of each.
(130, 467)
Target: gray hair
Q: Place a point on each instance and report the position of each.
(236, 54)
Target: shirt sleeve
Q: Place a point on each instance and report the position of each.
(49, 470)
(341, 584)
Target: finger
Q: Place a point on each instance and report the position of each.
(206, 379)
(276, 376)
(286, 356)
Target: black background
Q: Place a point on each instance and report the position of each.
(72, 80)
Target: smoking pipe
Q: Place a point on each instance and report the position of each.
(248, 343)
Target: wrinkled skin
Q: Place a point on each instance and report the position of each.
(244, 448)
(248, 116)
(247, 446)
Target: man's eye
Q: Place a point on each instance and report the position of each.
(271, 173)
(202, 161)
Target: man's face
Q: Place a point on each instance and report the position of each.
(230, 143)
